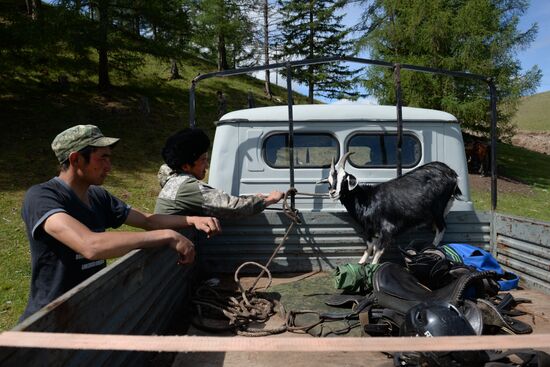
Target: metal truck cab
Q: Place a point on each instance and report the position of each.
(250, 150)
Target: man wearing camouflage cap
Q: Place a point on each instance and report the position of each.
(66, 218)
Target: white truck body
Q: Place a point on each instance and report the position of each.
(240, 163)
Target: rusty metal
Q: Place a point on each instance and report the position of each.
(522, 246)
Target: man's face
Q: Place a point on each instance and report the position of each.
(99, 166)
(198, 168)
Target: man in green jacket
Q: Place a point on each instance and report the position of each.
(186, 160)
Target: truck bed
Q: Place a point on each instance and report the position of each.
(144, 292)
(538, 316)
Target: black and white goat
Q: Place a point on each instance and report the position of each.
(423, 196)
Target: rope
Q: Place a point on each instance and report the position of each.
(241, 310)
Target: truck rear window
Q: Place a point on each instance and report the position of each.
(380, 150)
(310, 150)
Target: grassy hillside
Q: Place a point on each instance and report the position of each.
(532, 114)
(524, 184)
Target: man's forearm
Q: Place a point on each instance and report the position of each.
(107, 245)
(157, 221)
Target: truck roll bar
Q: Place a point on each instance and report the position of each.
(397, 68)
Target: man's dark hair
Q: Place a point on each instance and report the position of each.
(185, 147)
(85, 152)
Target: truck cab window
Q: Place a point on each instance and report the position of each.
(380, 150)
(310, 150)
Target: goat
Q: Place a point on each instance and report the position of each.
(423, 196)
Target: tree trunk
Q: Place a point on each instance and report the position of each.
(174, 71)
(266, 49)
(103, 70)
(311, 81)
(34, 9)
(222, 53)
(137, 25)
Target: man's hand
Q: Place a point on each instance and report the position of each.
(184, 247)
(273, 197)
(209, 225)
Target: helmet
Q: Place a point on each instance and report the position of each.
(437, 318)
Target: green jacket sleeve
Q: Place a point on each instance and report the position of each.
(185, 195)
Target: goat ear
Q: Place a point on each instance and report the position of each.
(352, 182)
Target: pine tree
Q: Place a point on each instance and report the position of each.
(477, 36)
(312, 29)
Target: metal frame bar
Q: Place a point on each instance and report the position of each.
(397, 68)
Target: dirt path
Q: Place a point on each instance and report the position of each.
(504, 184)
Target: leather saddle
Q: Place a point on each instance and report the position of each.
(395, 288)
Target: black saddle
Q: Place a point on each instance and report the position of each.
(395, 288)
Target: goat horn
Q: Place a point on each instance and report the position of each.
(343, 160)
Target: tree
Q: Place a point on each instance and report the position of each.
(123, 30)
(223, 29)
(478, 36)
(312, 29)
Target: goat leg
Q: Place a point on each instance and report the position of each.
(364, 257)
(368, 252)
(438, 236)
(377, 255)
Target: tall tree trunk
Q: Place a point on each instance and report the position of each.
(174, 71)
(266, 49)
(103, 72)
(222, 52)
(137, 25)
(311, 55)
(34, 9)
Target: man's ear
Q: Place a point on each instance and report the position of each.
(186, 167)
(73, 158)
(352, 182)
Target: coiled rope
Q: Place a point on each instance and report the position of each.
(247, 307)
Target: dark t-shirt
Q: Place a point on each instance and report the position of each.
(56, 268)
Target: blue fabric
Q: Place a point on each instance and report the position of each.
(481, 260)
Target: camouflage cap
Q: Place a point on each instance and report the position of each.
(77, 138)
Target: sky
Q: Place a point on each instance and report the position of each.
(538, 52)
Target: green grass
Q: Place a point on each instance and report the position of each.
(532, 113)
(528, 167)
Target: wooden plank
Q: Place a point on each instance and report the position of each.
(280, 344)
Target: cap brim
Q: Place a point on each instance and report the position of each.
(104, 142)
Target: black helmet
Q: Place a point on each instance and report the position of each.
(439, 318)
(435, 319)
